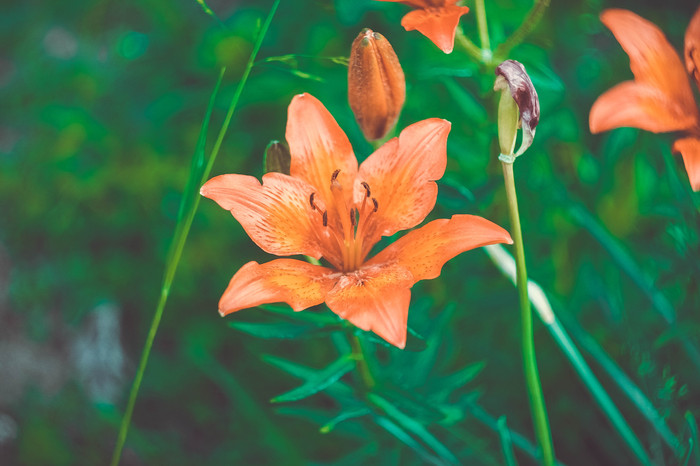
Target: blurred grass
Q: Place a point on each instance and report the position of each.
(102, 104)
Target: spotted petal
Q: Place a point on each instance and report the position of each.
(424, 251)
(318, 146)
(276, 215)
(376, 299)
(401, 175)
(297, 283)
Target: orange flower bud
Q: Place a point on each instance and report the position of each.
(376, 84)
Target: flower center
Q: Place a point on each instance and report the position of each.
(347, 221)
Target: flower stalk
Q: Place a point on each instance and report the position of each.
(362, 367)
(539, 412)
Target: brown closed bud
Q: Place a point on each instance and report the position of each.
(376, 84)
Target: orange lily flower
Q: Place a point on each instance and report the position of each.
(435, 19)
(330, 208)
(660, 98)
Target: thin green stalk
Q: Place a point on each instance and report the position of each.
(359, 356)
(537, 406)
(533, 17)
(539, 300)
(628, 387)
(178, 243)
(486, 54)
(467, 45)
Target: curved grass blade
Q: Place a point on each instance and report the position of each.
(505, 262)
(406, 439)
(330, 425)
(506, 442)
(413, 426)
(183, 227)
(317, 381)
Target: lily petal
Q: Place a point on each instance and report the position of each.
(291, 281)
(276, 215)
(424, 251)
(689, 148)
(636, 105)
(402, 176)
(655, 65)
(438, 24)
(318, 146)
(376, 299)
(692, 47)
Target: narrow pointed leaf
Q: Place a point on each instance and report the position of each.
(345, 415)
(414, 427)
(405, 438)
(282, 330)
(318, 380)
(277, 158)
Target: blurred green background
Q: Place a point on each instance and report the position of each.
(101, 108)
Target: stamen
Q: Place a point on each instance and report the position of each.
(353, 220)
(376, 205)
(311, 201)
(325, 218)
(335, 175)
(365, 185)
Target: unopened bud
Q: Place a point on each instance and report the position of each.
(518, 107)
(376, 84)
(277, 158)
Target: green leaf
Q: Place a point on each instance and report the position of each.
(353, 413)
(318, 380)
(413, 426)
(471, 107)
(282, 330)
(445, 385)
(414, 341)
(311, 316)
(403, 436)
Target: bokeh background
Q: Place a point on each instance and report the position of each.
(101, 105)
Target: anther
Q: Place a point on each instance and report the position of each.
(365, 185)
(311, 201)
(376, 205)
(325, 218)
(335, 175)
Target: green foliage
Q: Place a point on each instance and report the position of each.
(103, 105)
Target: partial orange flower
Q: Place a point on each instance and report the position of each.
(330, 208)
(660, 98)
(435, 19)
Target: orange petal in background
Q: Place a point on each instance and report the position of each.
(401, 176)
(297, 283)
(635, 105)
(376, 299)
(424, 251)
(692, 48)
(689, 148)
(437, 24)
(318, 146)
(276, 215)
(653, 62)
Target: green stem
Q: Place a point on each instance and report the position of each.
(359, 356)
(533, 17)
(467, 45)
(539, 300)
(177, 246)
(481, 23)
(537, 406)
